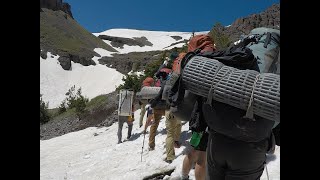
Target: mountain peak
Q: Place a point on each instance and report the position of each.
(56, 5)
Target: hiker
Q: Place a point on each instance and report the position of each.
(149, 81)
(197, 125)
(158, 109)
(173, 124)
(237, 144)
(125, 112)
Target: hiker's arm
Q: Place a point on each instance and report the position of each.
(176, 93)
(149, 118)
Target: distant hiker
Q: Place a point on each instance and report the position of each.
(173, 124)
(158, 108)
(125, 112)
(149, 81)
(197, 124)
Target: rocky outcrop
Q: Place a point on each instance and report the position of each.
(43, 54)
(56, 5)
(176, 37)
(66, 8)
(134, 60)
(269, 18)
(120, 41)
(65, 60)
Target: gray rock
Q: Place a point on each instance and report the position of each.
(120, 41)
(176, 37)
(43, 54)
(65, 62)
(268, 18)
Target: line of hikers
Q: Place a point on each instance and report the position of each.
(216, 152)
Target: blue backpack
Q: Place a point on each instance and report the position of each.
(265, 46)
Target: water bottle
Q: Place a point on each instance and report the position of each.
(195, 138)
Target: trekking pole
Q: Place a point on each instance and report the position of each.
(145, 130)
(143, 145)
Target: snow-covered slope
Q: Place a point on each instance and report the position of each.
(93, 80)
(98, 79)
(159, 39)
(94, 154)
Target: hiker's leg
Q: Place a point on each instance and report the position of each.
(170, 126)
(213, 169)
(177, 131)
(247, 160)
(130, 124)
(187, 163)
(200, 157)
(235, 159)
(142, 112)
(120, 125)
(200, 166)
(153, 129)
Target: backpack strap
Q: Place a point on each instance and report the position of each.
(267, 41)
(249, 113)
(187, 57)
(213, 86)
(183, 63)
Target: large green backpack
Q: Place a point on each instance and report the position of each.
(265, 46)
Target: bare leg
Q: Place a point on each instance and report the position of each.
(187, 163)
(200, 167)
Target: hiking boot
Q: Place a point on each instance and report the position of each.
(168, 161)
(151, 148)
(119, 142)
(177, 144)
(128, 137)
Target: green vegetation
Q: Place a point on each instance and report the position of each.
(60, 32)
(74, 100)
(221, 39)
(96, 102)
(44, 114)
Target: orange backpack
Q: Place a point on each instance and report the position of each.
(203, 42)
(176, 63)
(148, 82)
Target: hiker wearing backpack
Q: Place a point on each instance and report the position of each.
(237, 145)
(173, 124)
(158, 108)
(125, 112)
(197, 124)
(238, 142)
(149, 81)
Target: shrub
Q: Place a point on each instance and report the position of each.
(44, 114)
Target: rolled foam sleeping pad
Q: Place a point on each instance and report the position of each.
(203, 76)
(148, 92)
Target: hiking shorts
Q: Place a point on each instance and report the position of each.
(202, 146)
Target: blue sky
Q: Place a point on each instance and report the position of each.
(162, 15)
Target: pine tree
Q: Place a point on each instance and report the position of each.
(44, 114)
(220, 38)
